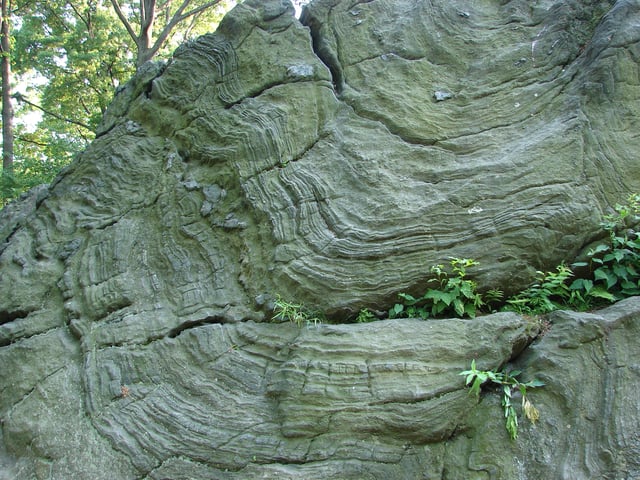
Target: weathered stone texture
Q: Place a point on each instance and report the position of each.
(588, 425)
(332, 162)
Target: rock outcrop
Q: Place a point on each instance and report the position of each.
(330, 160)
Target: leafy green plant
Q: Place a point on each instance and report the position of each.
(365, 316)
(492, 297)
(549, 293)
(614, 271)
(297, 313)
(615, 265)
(454, 294)
(510, 385)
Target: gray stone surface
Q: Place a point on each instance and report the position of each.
(331, 163)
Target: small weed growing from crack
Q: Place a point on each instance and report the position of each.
(509, 383)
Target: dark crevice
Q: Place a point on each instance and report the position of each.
(539, 327)
(323, 50)
(173, 333)
(10, 316)
(257, 93)
(417, 399)
(329, 56)
(11, 339)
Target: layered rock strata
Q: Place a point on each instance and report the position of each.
(330, 160)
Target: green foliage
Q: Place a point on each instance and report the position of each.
(297, 313)
(7, 188)
(28, 172)
(71, 56)
(81, 55)
(615, 265)
(614, 275)
(510, 385)
(549, 293)
(614, 271)
(365, 316)
(455, 294)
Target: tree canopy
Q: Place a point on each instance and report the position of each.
(67, 57)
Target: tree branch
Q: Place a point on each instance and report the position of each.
(177, 18)
(147, 19)
(124, 20)
(166, 6)
(21, 99)
(192, 24)
(164, 33)
(24, 139)
(52, 13)
(196, 10)
(147, 15)
(24, 6)
(86, 21)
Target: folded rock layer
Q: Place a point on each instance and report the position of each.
(330, 160)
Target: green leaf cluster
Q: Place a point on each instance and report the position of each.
(509, 385)
(39, 157)
(365, 316)
(284, 311)
(453, 293)
(81, 53)
(613, 271)
(615, 265)
(549, 293)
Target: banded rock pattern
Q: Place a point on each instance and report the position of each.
(331, 163)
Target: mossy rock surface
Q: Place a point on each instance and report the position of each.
(332, 161)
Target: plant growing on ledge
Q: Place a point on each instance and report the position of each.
(616, 265)
(550, 292)
(455, 294)
(510, 385)
(297, 313)
(365, 316)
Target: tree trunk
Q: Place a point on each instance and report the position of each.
(147, 48)
(144, 40)
(145, 53)
(7, 107)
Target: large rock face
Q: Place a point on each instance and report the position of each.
(332, 164)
